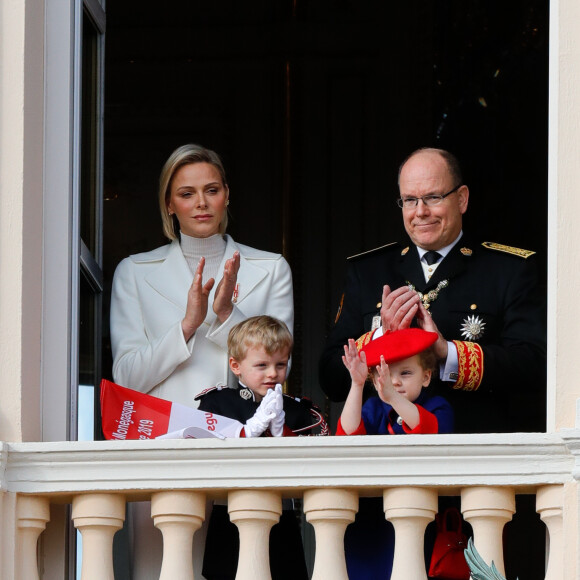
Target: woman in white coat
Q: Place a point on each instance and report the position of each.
(169, 319)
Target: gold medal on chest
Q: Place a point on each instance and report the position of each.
(430, 296)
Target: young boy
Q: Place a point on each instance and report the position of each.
(259, 349)
(401, 364)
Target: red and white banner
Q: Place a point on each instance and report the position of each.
(129, 414)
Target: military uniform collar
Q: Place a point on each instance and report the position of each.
(245, 392)
(451, 266)
(443, 251)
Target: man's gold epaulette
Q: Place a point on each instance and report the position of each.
(508, 249)
(374, 250)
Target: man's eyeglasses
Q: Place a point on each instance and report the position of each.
(428, 200)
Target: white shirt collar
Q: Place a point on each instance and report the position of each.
(443, 251)
(428, 271)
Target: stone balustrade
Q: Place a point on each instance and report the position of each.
(330, 474)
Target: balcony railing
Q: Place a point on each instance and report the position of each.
(329, 473)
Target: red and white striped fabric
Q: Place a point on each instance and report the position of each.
(129, 414)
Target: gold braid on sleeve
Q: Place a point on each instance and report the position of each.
(470, 363)
(364, 339)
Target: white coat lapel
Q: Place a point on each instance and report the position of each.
(172, 278)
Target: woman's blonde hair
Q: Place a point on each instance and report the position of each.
(259, 331)
(186, 155)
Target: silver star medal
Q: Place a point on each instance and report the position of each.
(472, 328)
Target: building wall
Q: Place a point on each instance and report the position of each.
(21, 162)
(564, 207)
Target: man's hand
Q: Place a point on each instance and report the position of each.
(426, 322)
(222, 302)
(399, 307)
(355, 363)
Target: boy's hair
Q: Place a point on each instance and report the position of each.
(427, 359)
(265, 331)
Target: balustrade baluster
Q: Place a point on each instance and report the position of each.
(32, 513)
(330, 511)
(488, 509)
(178, 514)
(550, 506)
(254, 512)
(409, 509)
(98, 516)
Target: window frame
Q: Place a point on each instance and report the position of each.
(64, 257)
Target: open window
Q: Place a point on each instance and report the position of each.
(313, 106)
(91, 274)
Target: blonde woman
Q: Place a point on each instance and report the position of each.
(173, 307)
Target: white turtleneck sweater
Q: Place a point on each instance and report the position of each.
(212, 249)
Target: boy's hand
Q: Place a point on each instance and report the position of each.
(384, 384)
(355, 363)
(406, 409)
(277, 406)
(257, 424)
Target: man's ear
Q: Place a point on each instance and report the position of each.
(235, 366)
(463, 193)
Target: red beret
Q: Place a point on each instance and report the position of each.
(398, 345)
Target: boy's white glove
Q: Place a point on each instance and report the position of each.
(277, 406)
(257, 424)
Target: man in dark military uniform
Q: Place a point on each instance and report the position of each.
(482, 298)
